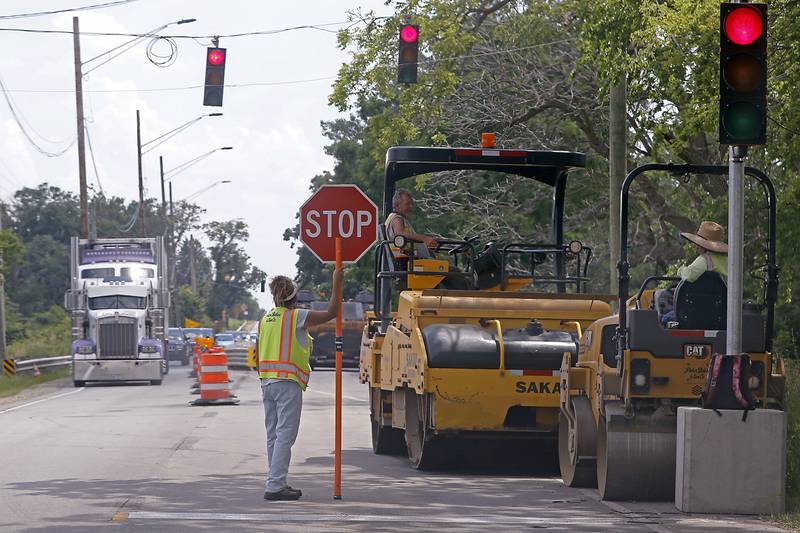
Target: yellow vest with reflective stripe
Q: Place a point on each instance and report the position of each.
(279, 354)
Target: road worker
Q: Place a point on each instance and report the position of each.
(283, 351)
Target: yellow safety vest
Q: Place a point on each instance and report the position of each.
(279, 354)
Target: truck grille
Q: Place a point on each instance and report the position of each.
(118, 339)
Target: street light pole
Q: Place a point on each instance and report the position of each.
(141, 181)
(163, 199)
(81, 147)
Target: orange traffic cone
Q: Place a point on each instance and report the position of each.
(36, 372)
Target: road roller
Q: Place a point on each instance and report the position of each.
(467, 345)
(619, 399)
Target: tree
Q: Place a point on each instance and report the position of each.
(233, 275)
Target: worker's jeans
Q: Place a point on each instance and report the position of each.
(283, 401)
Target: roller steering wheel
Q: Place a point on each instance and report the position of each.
(461, 248)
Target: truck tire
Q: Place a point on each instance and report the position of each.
(165, 367)
(155, 382)
(78, 383)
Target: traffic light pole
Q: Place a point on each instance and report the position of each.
(735, 247)
(81, 146)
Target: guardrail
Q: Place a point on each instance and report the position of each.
(42, 363)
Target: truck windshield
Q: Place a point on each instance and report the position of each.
(101, 273)
(137, 273)
(117, 302)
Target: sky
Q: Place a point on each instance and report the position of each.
(274, 129)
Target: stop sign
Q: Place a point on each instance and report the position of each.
(339, 211)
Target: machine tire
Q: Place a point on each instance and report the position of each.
(385, 440)
(425, 451)
(78, 383)
(155, 382)
(578, 466)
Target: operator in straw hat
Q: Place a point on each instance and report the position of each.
(712, 251)
(712, 255)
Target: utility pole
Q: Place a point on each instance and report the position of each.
(163, 198)
(141, 181)
(192, 271)
(3, 347)
(617, 163)
(81, 146)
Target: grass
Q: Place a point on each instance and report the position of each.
(10, 386)
(791, 403)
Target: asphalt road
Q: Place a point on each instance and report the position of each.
(139, 458)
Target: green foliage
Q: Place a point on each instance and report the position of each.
(41, 335)
(792, 407)
(234, 275)
(11, 250)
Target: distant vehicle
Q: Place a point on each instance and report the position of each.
(178, 348)
(323, 352)
(252, 337)
(224, 339)
(119, 308)
(191, 333)
(238, 336)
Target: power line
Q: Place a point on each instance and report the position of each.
(431, 61)
(91, 153)
(16, 117)
(320, 27)
(79, 8)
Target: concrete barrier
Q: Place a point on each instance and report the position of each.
(725, 465)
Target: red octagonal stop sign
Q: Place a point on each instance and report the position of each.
(339, 211)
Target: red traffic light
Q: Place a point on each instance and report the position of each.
(216, 57)
(409, 34)
(744, 25)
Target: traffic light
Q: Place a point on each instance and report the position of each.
(408, 54)
(215, 76)
(743, 74)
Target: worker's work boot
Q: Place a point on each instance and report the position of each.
(285, 494)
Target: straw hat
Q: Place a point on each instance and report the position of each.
(710, 236)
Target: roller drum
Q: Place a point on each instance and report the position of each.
(636, 456)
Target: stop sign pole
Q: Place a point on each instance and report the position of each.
(338, 224)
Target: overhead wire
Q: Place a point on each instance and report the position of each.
(15, 114)
(66, 10)
(319, 27)
(91, 153)
(295, 82)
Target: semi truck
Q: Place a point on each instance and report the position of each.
(118, 301)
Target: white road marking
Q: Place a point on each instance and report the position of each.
(486, 519)
(40, 401)
(365, 400)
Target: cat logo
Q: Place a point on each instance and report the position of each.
(538, 388)
(696, 351)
